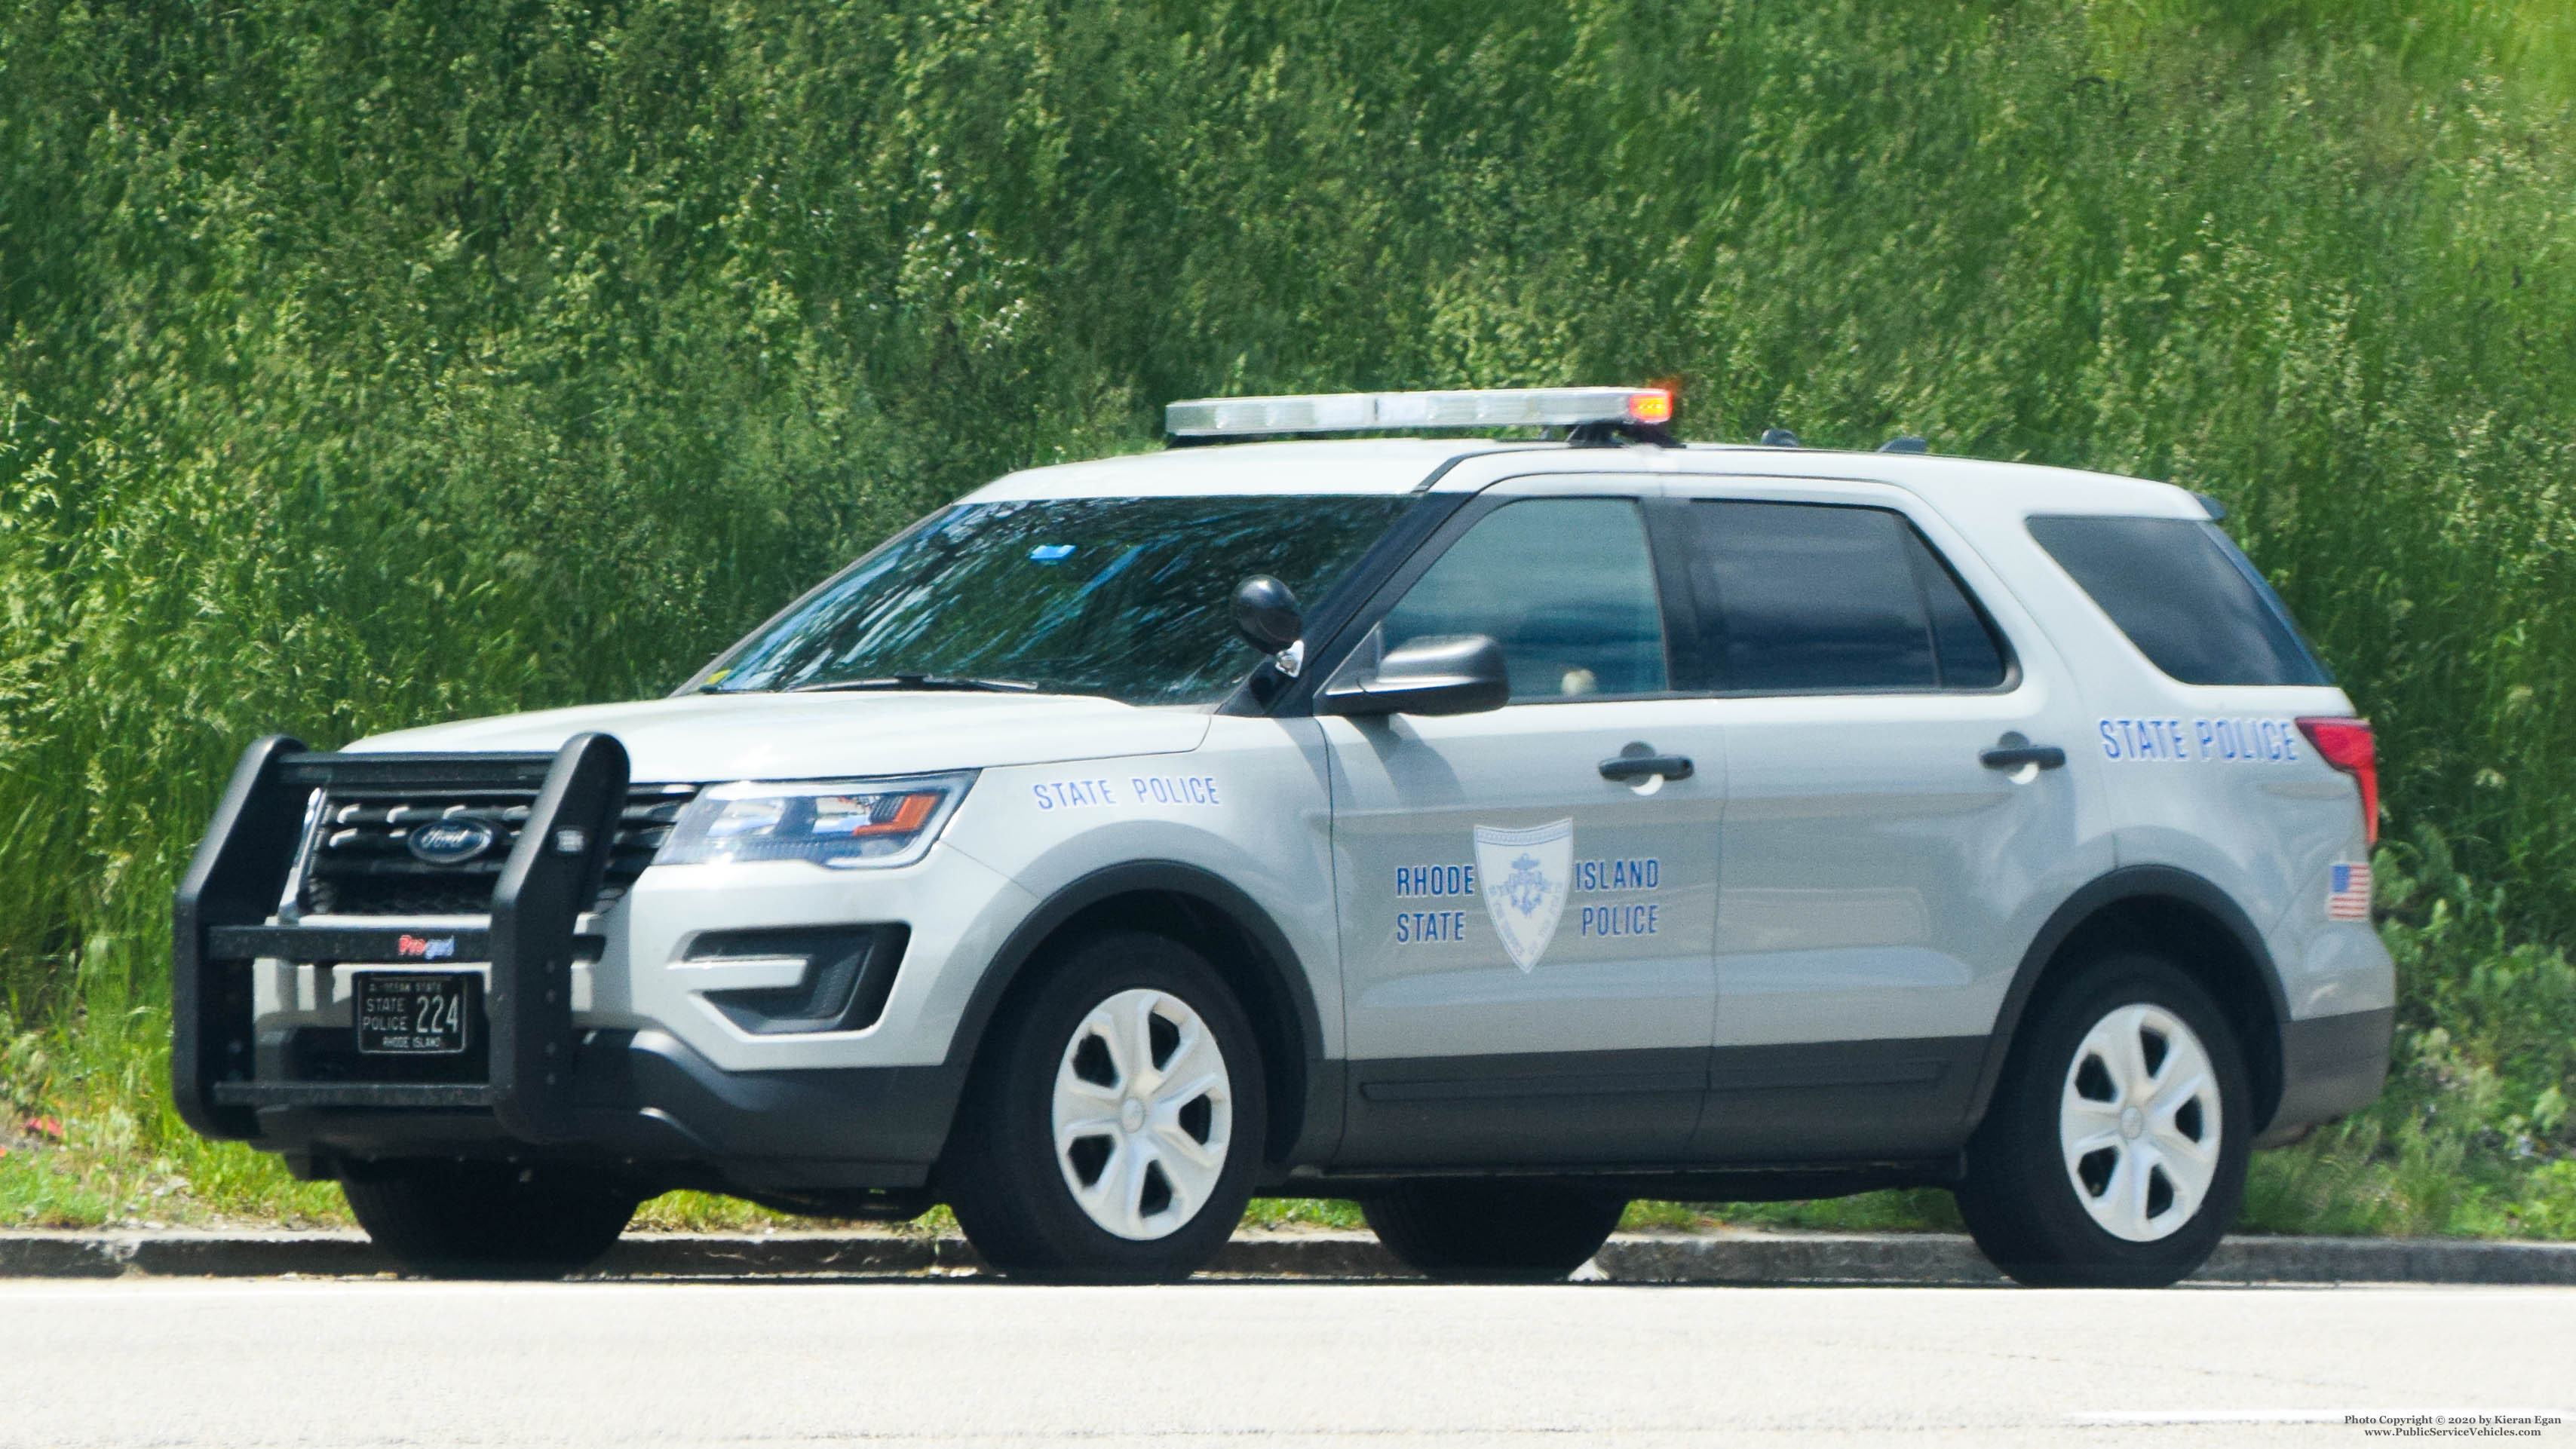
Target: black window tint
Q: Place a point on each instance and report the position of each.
(1970, 656)
(2184, 595)
(1566, 587)
(1804, 598)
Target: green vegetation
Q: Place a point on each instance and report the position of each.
(367, 365)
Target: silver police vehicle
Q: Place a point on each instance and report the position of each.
(1487, 832)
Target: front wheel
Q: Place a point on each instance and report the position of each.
(490, 1219)
(1115, 1119)
(2114, 1153)
(1493, 1232)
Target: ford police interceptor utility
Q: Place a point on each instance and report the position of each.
(1488, 832)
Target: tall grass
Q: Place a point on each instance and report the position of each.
(362, 365)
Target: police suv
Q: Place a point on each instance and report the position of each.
(1487, 832)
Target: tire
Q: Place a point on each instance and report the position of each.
(1493, 1232)
(2114, 1153)
(1136, 1036)
(491, 1219)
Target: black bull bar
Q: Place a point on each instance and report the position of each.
(234, 887)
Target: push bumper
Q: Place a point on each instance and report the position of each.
(640, 1101)
(221, 924)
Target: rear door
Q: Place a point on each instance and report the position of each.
(1527, 975)
(1890, 844)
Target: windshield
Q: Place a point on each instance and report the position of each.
(1125, 597)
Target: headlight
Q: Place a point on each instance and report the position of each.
(844, 824)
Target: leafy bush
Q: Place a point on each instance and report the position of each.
(362, 365)
(2473, 1134)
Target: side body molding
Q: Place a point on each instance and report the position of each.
(1305, 1119)
(2143, 884)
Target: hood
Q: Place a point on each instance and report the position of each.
(707, 737)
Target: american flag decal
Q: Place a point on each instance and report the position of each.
(2348, 893)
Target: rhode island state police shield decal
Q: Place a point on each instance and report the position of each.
(1524, 874)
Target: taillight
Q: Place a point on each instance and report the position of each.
(2348, 746)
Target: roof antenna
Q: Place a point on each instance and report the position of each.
(1779, 438)
(1908, 443)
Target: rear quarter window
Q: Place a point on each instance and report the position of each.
(2184, 594)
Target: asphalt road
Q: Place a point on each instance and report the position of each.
(664, 1365)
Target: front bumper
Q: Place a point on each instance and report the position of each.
(648, 1106)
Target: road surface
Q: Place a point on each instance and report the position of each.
(899, 1363)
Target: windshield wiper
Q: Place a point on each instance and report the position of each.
(920, 682)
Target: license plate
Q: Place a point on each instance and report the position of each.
(413, 1015)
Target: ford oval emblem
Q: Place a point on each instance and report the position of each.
(451, 842)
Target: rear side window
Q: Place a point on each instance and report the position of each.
(1808, 598)
(2181, 591)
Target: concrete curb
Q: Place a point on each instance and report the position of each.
(1950, 1259)
(1736, 1257)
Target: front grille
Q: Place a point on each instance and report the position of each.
(359, 861)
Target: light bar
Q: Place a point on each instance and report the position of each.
(1377, 412)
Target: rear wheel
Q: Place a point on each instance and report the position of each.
(2114, 1153)
(1493, 1232)
(1112, 1129)
(491, 1219)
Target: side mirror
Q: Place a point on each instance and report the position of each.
(1266, 615)
(1450, 674)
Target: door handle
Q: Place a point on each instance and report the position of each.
(1640, 760)
(2012, 752)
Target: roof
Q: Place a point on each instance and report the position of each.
(1361, 465)
(1404, 465)
(1980, 485)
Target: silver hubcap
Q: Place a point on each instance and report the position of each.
(2139, 1124)
(1144, 1114)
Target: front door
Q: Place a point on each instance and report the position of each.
(1525, 939)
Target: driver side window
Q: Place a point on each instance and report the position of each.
(1565, 585)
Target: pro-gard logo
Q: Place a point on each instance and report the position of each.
(451, 842)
